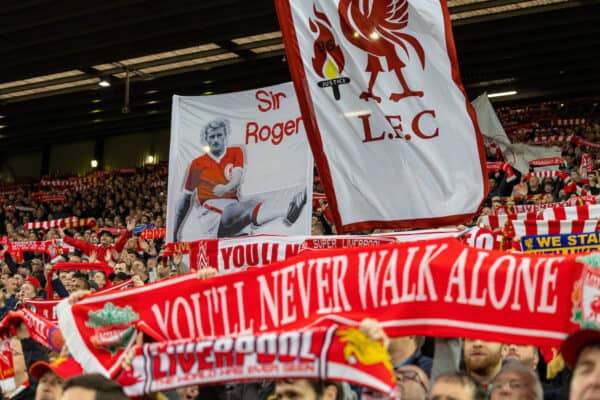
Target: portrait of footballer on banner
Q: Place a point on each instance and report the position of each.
(211, 205)
(239, 164)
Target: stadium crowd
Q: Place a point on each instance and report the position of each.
(122, 204)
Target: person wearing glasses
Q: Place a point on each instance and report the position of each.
(456, 386)
(516, 381)
(412, 382)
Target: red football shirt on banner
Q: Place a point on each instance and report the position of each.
(206, 172)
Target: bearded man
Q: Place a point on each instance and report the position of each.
(483, 360)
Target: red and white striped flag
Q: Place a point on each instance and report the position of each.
(546, 162)
(547, 139)
(71, 222)
(498, 221)
(531, 227)
(567, 121)
(586, 143)
(591, 211)
(547, 174)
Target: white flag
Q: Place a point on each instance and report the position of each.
(489, 124)
(394, 137)
(519, 155)
(239, 164)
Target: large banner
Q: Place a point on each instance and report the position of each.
(394, 136)
(239, 164)
(437, 288)
(237, 254)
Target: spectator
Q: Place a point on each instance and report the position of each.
(106, 244)
(456, 386)
(92, 387)
(412, 382)
(407, 350)
(527, 355)
(305, 389)
(533, 186)
(581, 351)
(100, 279)
(188, 393)
(483, 360)
(516, 381)
(79, 282)
(29, 289)
(51, 376)
(25, 389)
(119, 277)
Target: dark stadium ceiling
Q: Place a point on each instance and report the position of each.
(53, 53)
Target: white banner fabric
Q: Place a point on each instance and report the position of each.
(519, 155)
(394, 136)
(490, 125)
(239, 164)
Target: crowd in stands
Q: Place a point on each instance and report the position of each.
(120, 202)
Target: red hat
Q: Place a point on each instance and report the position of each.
(34, 281)
(63, 367)
(576, 341)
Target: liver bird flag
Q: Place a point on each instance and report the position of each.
(393, 134)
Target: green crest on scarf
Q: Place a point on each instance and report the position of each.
(592, 259)
(111, 315)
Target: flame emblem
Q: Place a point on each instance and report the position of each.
(328, 60)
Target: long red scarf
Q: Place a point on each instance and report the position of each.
(545, 162)
(436, 288)
(332, 354)
(520, 208)
(71, 222)
(47, 308)
(72, 266)
(40, 329)
(33, 246)
(585, 143)
(233, 255)
(154, 233)
(7, 369)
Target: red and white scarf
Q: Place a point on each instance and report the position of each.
(50, 198)
(331, 353)
(548, 174)
(546, 162)
(554, 227)
(47, 308)
(585, 143)
(71, 222)
(587, 165)
(154, 233)
(570, 213)
(438, 288)
(551, 139)
(498, 221)
(40, 329)
(7, 368)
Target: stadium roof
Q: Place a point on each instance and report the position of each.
(54, 54)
